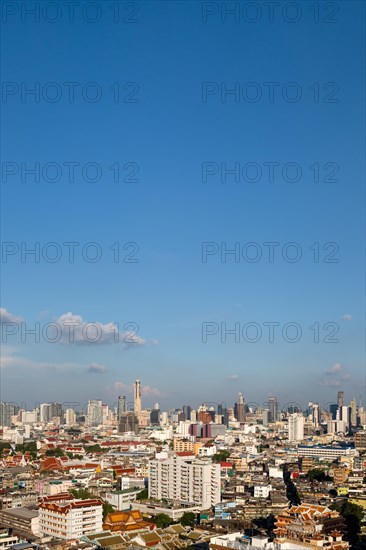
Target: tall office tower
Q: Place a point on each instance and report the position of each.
(340, 399)
(239, 409)
(345, 415)
(45, 412)
(296, 427)
(137, 396)
(7, 410)
(193, 415)
(273, 409)
(314, 410)
(121, 406)
(187, 411)
(333, 408)
(70, 417)
(56, 410)
(155, 415)
(94, 415)
(353, 407)
(221, 410)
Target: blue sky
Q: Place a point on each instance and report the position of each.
(168, 55)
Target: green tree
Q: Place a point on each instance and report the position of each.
(107, 509)
(188, 519)
(318, 475)
(55, 452)
(353, 515)
(143, 495)
(221, 456)
(162, 520)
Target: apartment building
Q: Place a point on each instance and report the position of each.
(182, 477)
(69, 518)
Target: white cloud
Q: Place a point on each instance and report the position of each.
(234, 377)
(347, 317)
(95, 368)
(335, 376)
(13, 361)
(337, 367)
(149, 391)
(74, 329)
(7, 317)
(121, 386)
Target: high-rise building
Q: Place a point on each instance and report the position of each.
(187, 412)
(94, 415)
(340, 399)
(353, 407)
(333, 408)
(344, 415)
(70, 417)
(121, 406)
(314, 413)
(273, 409)
(155, 415)
(7, 410)
(45, 412)
(239, 409)
(128, 422)
(56, 410)
(137, 396)
(296, 427)
(185, 478)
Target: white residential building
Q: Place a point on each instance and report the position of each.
(183, 477)
(69, 519)
(296, 427)
(70, 417)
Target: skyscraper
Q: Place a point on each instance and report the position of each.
(353, 407)
(187, 411)
(340, 399)
(296, 427)
(137, 396)
(94, 415)
(273, 409)
(239, 409)
(121, 406)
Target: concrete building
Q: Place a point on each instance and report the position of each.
(69, 519)
(70, 417)
(94, 415)
(137, 397)
(121, 407)
(296, 423)
(21, 520)
(328, 452)
(182, 477)
(128, 422)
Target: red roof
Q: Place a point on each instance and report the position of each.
(226, 465)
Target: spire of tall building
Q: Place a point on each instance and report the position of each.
(137, 396)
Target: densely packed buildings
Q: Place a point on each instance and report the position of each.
(244, 477)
